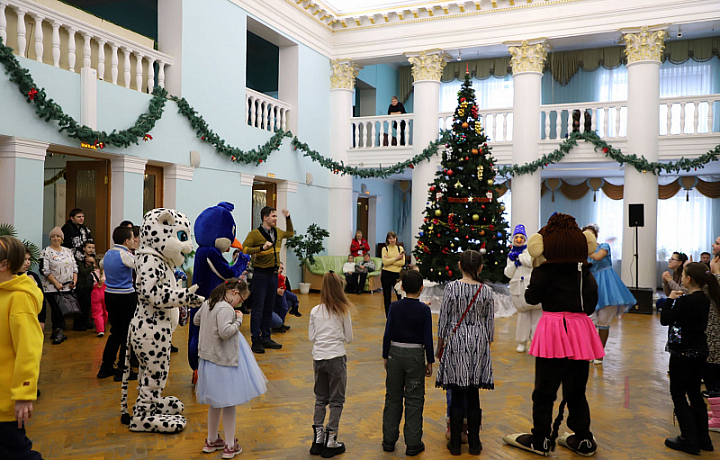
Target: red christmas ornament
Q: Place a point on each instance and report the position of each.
(462, 99)
(147, 137)
(412, 166)
(606, 150)
(449, 272)
(457, 230)
(449, 172)
(233, 158)
(491, 227)
(32, 93)
(203, 138)
(259, 161)
(447, 268)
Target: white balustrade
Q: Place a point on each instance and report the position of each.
(689, 115)
(497, 123)
(385, 131)
(38, 37)
(70, 26)
(262, 111)
(607, 119)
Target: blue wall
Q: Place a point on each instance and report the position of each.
(383, 78)
(213, 82)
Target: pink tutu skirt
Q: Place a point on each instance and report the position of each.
(566, 335)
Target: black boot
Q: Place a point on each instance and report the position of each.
(474, 419)
(57, 336)
(318, 440)
(332, 446)
(701, 425)
(687, 441)
(295, 311)
(456, 426)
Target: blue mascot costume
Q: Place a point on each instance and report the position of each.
(214, 234)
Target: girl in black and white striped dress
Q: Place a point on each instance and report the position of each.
(464, 355)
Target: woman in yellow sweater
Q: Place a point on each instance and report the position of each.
(393, 259)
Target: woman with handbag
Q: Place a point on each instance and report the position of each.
(59, 271)
(465, 331)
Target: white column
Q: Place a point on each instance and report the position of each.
(21, 173)
(527, 61)
(172, 175)
(170, 34)
(88, 97)
(126, 197)
(427, 70)
(342, 83)
(21, 30)
(644, 48)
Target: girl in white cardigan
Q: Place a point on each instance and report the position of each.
(228, 374)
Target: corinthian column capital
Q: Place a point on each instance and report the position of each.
(528, 55)
(644, 43)
(428, 65)
(343, 75)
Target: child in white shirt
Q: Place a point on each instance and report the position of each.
(330, 328)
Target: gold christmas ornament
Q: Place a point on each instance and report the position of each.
(475, 217)
(458, 184)
(490, 182)
(502, 208)
(480, 170)
(438, 213)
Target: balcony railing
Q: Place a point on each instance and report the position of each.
(61, 39)
(265, 112)
(497, 123)
(389, 131)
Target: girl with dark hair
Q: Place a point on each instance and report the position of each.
(393, 258)
(672, 282)
(465, 331)
(687, 316)
(228, 374)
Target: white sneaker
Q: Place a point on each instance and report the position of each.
(598, 362)
(521, 348)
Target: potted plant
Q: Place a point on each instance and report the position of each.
(10, 230)
(306, 247)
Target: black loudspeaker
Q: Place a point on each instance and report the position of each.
(636, 212)
(644, 297)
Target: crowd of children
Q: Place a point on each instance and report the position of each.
(565, 341)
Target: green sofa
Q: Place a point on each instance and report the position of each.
(314, 273)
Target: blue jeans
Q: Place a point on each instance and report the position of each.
(264, 292)
(279, 311)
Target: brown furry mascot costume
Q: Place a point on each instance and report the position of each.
(565, 338)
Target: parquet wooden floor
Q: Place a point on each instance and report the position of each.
(78, 416)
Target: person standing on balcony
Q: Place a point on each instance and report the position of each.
(396, 107)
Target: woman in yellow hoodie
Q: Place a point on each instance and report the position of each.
(20, 350)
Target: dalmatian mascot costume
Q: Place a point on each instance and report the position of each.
(164, 241)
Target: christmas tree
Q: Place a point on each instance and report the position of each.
(462, 209)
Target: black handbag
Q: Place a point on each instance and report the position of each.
(68, 303)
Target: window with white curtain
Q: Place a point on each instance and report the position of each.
(609, 217)
(684, 225)
(491, 93)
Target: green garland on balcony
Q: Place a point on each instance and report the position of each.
(49, 110)
(639, 163)
(381, 172)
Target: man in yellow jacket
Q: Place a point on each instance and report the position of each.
(263, 244)
(21, 342)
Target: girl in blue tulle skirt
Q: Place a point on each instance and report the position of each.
(228, 374)
(614, 298)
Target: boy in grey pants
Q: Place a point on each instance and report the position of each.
(408, 354)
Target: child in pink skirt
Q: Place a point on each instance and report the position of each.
(97, 302)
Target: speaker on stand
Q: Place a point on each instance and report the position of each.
(644, 296)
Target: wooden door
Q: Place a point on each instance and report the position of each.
(87, 188)
(362, 215)
(263, 194)
(152, 188)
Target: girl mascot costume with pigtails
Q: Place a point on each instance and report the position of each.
(519, 268)
(565, 339)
